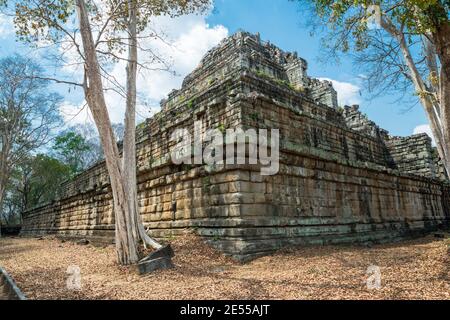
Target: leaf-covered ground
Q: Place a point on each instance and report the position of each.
(415, 269)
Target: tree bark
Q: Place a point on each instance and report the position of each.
(437, 122)
(129, 141)
(126, 241)
(441, 37)
(129, 230)
(1, 205)
(4, 167)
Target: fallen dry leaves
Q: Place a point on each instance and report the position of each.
(414, 269)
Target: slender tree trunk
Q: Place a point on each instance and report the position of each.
(4, 172)
(4, 177)
(441, 38)
(436, 122)
(126, 241)
(129, 141)
(4, 169)
(129, 229)
(435, 118)
(2, 191)
(445, 111)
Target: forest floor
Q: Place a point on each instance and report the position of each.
(413, 269)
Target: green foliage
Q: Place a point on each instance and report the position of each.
(34, 182)
(46, 177)
(29, 112)
(280, 82)
(55, 22)
(42, 20)
(206, 182)
(254, 116)
(347, 19)
(151, 8)
(141, 125)
(263, 74)
(72, 149)
(221, 128)
(190, 104)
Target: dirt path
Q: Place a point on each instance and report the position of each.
(418, 269)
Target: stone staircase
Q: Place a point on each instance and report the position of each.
(8, 288)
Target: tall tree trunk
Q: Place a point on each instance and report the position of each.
(129, 141)
(126, 241)
(2, 191)
(4, 168)
(129, 229)
(5, 172)
(436, 120)
(441, 37)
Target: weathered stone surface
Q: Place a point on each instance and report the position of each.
(341, 177)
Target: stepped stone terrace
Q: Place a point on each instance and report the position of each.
(341, 178)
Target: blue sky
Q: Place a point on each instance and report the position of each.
(278, 21)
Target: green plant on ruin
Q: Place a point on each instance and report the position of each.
(151, 160)
(190, 104)
(186, 167)
(254, 116)
(141, 125)
(221, 128)
(206, 182)
(434, 152)
(280, 82)
(229, 86)
(263, 74)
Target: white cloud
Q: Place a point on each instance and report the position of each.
(6, 26)
(75, 113)
(190, 37)
(348, 93)
(188, 48)
(424, 128)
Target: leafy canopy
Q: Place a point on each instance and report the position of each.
(73, 150)
(417, 17)
(55, 21)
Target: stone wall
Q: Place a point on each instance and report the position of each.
(341, 178)
(359, 122)
(323, 92)
(414, 154)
